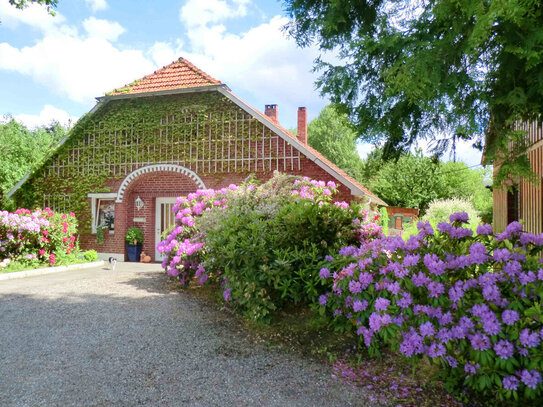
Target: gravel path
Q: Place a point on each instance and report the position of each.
(123, 338)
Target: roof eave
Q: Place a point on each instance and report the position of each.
(194, 89)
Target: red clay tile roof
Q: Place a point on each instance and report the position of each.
(177, 75)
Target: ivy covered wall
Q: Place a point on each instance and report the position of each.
(204, 132)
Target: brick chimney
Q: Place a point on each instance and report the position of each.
(272, 112)
(302, 125)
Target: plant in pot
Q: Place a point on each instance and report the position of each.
(109, 222)
(134, 239)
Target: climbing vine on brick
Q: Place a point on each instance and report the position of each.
(204, 132)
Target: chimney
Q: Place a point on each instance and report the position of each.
(271, 112)
(302, 125)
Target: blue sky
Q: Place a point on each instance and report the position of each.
(54, 67)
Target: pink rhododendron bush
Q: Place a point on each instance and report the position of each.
(469, 302)
(264, 244)
(42, 237)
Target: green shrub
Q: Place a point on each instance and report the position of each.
(90, 255)
(100, 234)
(269, 261)
(440, 210)
(266, 243)
(384, 219)
(132, 234)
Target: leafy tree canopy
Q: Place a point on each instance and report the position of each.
(427, 68)
(414, 181)
(334, 136)
(20, 4)
(21, 148)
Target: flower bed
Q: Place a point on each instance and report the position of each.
(469, 303)
(34, 239)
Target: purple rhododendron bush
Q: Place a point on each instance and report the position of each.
(264, 244)
(42, 237)
(468, 302)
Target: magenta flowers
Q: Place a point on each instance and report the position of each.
(452, 297)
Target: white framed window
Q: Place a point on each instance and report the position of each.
(103, 210)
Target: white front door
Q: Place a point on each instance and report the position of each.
(164, 221)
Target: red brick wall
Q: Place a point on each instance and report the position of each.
(168, 184)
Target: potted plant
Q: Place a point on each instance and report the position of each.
(134, 239)
(109, 222)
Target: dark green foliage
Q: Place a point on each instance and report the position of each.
(372, 164)
(270, 248)
(434, 69)
(21, 148)
(334, 136)
(413, 181)
(20, 4)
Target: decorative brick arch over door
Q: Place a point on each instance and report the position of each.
(156, 168)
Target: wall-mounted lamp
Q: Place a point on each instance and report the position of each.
(139, 203)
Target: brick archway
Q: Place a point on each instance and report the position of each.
(155, 168)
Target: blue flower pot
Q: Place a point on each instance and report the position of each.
(133, 252)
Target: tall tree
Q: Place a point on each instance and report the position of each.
(334, 136)
(415, 180)
(420, 68)
(21, 148)
(412, 181)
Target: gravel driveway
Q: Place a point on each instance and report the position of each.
(123, 338)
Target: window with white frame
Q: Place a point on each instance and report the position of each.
(103, 210)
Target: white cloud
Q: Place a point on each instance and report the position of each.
(465, 152)
(364, 149)
(200, 13)
(77, 68)
(34, 15)
(262, 62)
(163, 53)
(48, 115)
(104, 29)
(97, 5)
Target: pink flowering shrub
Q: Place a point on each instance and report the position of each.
(265, 243)
(468, 302)
(42, 236)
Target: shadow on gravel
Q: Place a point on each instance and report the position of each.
(151, 282)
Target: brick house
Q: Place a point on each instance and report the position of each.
(523, 201)
(160, 137)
